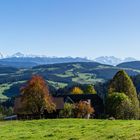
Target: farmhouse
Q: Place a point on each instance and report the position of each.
(93, 99)
(59, 101)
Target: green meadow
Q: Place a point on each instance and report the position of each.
(70, 129)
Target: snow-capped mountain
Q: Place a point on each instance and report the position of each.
(43, 59)
(111, 60)
(18, 54)
(129, 59)
(1, 55)
(21, 55)
(24, 61)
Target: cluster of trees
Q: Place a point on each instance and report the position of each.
(5, 111)
(75, 88)
(78, 110)
(6, 107)
(35, 99)
(122, 100)
(88, 89)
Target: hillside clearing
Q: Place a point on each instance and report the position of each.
(70, 129)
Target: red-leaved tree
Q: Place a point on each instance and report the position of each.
(35, 97)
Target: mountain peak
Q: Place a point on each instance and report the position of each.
(111, 60)
(18, 54)
(1, 55)
(129, 59)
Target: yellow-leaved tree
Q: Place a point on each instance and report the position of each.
(77, 90)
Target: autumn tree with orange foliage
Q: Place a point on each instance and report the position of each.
(77, 90)
(35, 97)
(83, 109)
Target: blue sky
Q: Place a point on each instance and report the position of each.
(82, 28)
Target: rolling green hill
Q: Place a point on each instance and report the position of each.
(70, 129)
(132, 65)
(57, 75)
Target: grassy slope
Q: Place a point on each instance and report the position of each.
(57, 75)
(70, 130)
(3, 87)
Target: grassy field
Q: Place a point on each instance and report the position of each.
(70, 129)
(6, 88)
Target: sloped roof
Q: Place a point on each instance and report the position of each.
(59, 102)
(18, 107)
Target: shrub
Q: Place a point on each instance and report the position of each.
(119, 106)
(83, 109)
(68, 111)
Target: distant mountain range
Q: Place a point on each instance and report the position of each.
(1, 56)
(21, 60)
(111, 60)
